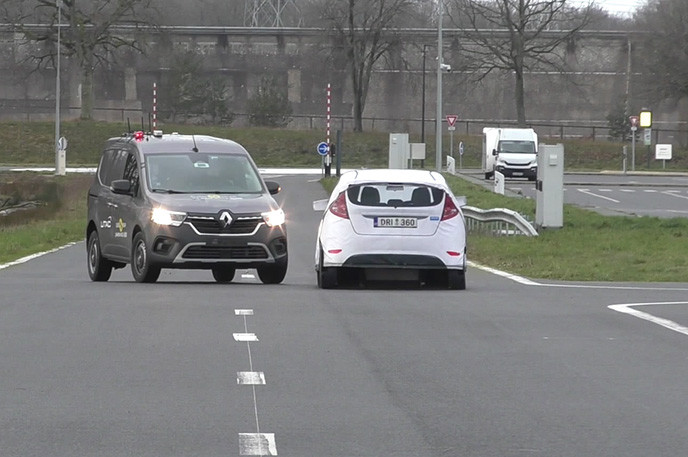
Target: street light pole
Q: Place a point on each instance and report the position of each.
(57, 89)
(422, 121)
(438, 120)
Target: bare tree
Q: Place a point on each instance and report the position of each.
(365, 30)
(517, 36)
(88, 33)
(664, 51)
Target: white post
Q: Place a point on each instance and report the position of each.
(438, 116)
(58, 156)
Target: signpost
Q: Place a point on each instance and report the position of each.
(634, 127)
(451, 120)
(461, 148)
(663, 153)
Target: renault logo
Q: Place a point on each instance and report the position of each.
(225, 219)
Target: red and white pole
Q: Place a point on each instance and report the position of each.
(329, 111)
(155, 105)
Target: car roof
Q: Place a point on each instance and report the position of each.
(176, 143)
(392, 175)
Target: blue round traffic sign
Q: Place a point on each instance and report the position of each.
(323, 148)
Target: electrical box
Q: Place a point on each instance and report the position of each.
(549, 210)
(399, 151)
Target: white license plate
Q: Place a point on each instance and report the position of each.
(517, 173)
(396, 222)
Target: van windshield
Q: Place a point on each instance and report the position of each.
(520, 147)
(202, 173)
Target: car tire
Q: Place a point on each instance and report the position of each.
(327, 277)
(99, 268)
(456, 279)
(273, 274)
(224, 275)
(489, 174)
(141, 268)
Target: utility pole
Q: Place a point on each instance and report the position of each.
(438, 117)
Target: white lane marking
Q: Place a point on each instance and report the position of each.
(650, 191)
(245, 337)
(671, 325)
(530, 282)
(257, 444)
(251, 378)
(674, 195)
(628, 191)
(587, 192)
(248, 275)
(35, 256)
(604, 190)
(243, 312)
(254, 443)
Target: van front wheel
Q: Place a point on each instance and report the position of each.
(141, 268)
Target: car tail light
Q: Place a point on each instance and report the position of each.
(338, 207)
(450, 210)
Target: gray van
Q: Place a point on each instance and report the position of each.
(183, 201)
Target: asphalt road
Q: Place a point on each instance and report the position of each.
(508, 367)
(658, 195)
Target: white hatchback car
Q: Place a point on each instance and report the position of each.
(391, 224)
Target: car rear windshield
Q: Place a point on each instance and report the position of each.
(395, 194)
(202, 173)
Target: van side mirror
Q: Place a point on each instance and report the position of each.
(121, 186)
(494, 152)
(273, 187)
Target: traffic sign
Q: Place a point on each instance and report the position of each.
(323, 148)
(451, 119)
(461, 148)
(634, 122)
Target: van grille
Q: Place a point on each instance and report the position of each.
(209, 225)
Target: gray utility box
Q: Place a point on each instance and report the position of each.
(549, 212)
(399, 151)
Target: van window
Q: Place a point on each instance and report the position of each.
(202, 173)
(520, 147)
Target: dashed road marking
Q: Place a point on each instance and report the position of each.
(252, 443)
(587, 192)
(257, 444)
(256, 378)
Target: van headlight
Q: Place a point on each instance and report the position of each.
(164, 217)
(274, 218)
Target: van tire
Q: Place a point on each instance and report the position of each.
(273, 274)
(99, 268)
(141, 268)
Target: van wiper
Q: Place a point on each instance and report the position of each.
(169, 191)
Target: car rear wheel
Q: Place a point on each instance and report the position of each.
(327, 277)
(273, 274)
(456, 279)
(141, 268)
(99, 269)
(224, 275)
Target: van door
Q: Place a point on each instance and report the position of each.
(124, 207)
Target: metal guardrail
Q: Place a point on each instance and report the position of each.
(497, 221)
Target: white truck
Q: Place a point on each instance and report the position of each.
(512, 152)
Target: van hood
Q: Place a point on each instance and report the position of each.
(212, 203)
(516, 158)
